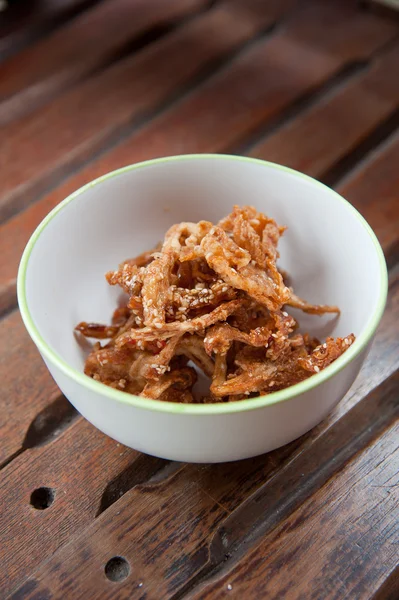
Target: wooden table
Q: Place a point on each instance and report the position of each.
(88, 86)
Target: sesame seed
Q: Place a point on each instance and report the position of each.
(324, 345)
(271, 383)
(317, 369)
(284, 313)
(158, 325)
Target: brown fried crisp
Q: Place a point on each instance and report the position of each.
(209, 296)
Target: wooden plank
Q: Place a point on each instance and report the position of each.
(15, 233)
(77, 467)
(178, 519)
(383, 359)
(90, 40)
(194, 519)
(83, 119)
(27, 388)
(317, 60)
(341, 543)
(332, 128)
(23, 22)
(159, 534)
(72, 468)
(383, 176)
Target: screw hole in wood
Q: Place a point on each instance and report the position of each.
(117, 569)
(42, 498)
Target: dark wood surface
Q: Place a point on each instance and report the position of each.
(89, 86)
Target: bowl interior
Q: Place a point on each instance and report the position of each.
(327, 250)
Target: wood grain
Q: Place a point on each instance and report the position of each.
(383, 177)
(23, 22)
(83, 119)
(65, 468)
(357, 513)
(335, 125)
(26, 385)
(78, 467)
(184, 512)
(78, 48)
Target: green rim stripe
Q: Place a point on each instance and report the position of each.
(198, 409)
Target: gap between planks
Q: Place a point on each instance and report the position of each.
(122, 132)
(14, 39)
(348, 74)
(25, 192)
(23, 101)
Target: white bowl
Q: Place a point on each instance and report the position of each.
(329, 250)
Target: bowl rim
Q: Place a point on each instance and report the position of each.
(199, 409)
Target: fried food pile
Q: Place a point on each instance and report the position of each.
(212, 296)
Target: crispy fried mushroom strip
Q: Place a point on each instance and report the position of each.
(128, 277)
(220, 372)
(96, 330)
(192, 346)
(158, 364)
(182, 378)
(158, 275)
(246, 382)
(235, 268)
(326, 353)
(169, 329)
(312, 309)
